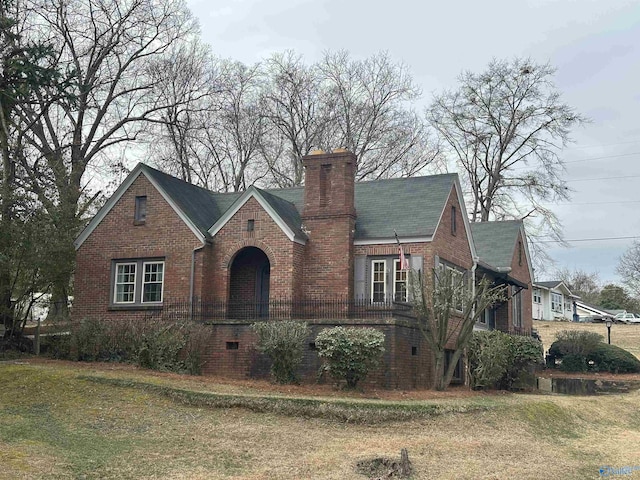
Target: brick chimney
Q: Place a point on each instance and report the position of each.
(329, 217)
(329, 184)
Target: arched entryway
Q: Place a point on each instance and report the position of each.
(249, 284)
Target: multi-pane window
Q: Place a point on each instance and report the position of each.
(458, 285)
(125, 283)
(556, 302)
(399, 282)
(457, 277)
(378, 284)
(137, 282)
(152, 282)
(536, 296)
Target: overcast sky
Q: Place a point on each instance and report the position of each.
(595, 46)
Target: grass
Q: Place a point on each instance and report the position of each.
(625, 336)
(67, 421)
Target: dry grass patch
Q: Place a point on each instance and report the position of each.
(625, 336)
(54, 424)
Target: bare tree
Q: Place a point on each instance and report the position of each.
(629, 268)
(584, 284)
(187, 81)
(111, 46)
(505, 128)
(28, 72)
(296, 114)
(370, 114)
(447, 308)
(231, 136)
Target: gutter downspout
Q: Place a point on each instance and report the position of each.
(192, 278)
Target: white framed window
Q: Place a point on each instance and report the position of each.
(556, 302)
(137, 282)
(399, 282)
(152, 282)
(378, 281)
(537, 298)
(125, 283)
(458, 285)
(485, 319)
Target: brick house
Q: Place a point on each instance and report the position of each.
(268, 254)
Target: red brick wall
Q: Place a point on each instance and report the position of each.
(520, 271)
(163, 234)
(329, 218)
(399, 369)
(268, 237)
(449, 247)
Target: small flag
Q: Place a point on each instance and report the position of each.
(404, 264)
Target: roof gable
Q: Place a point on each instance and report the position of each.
(185, 201)
(411, 207)
(496, 241)
(555, 285)
(283, 213)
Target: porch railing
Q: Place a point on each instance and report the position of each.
(281, 309)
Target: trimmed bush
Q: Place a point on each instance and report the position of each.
(160, 348)
(609, 358)
(488, 354)
(350, 352)
(578, 342)
(153, 343)
(497, 359)
(573, 362)
(283, 342)
(525, 354)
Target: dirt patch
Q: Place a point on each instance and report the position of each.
(382, 468)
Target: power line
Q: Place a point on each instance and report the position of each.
(602, 178)
(603, 145)
(586, 239)
(594, 203)
(602, 158)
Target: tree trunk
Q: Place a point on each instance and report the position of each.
(6, 226)
(439, 370)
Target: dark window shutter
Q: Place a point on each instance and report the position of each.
(360, 277)
(417, 268)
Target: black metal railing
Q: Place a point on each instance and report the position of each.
(201, 310)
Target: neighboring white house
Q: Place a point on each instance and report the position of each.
(552, 301)
(587, 312)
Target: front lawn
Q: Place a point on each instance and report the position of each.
(63, 420)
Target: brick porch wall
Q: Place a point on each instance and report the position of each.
(399, 369)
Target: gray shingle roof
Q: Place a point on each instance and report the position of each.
(197, 203)
(287, 212)
(496, 241)
(410, 206)
(549, 284)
